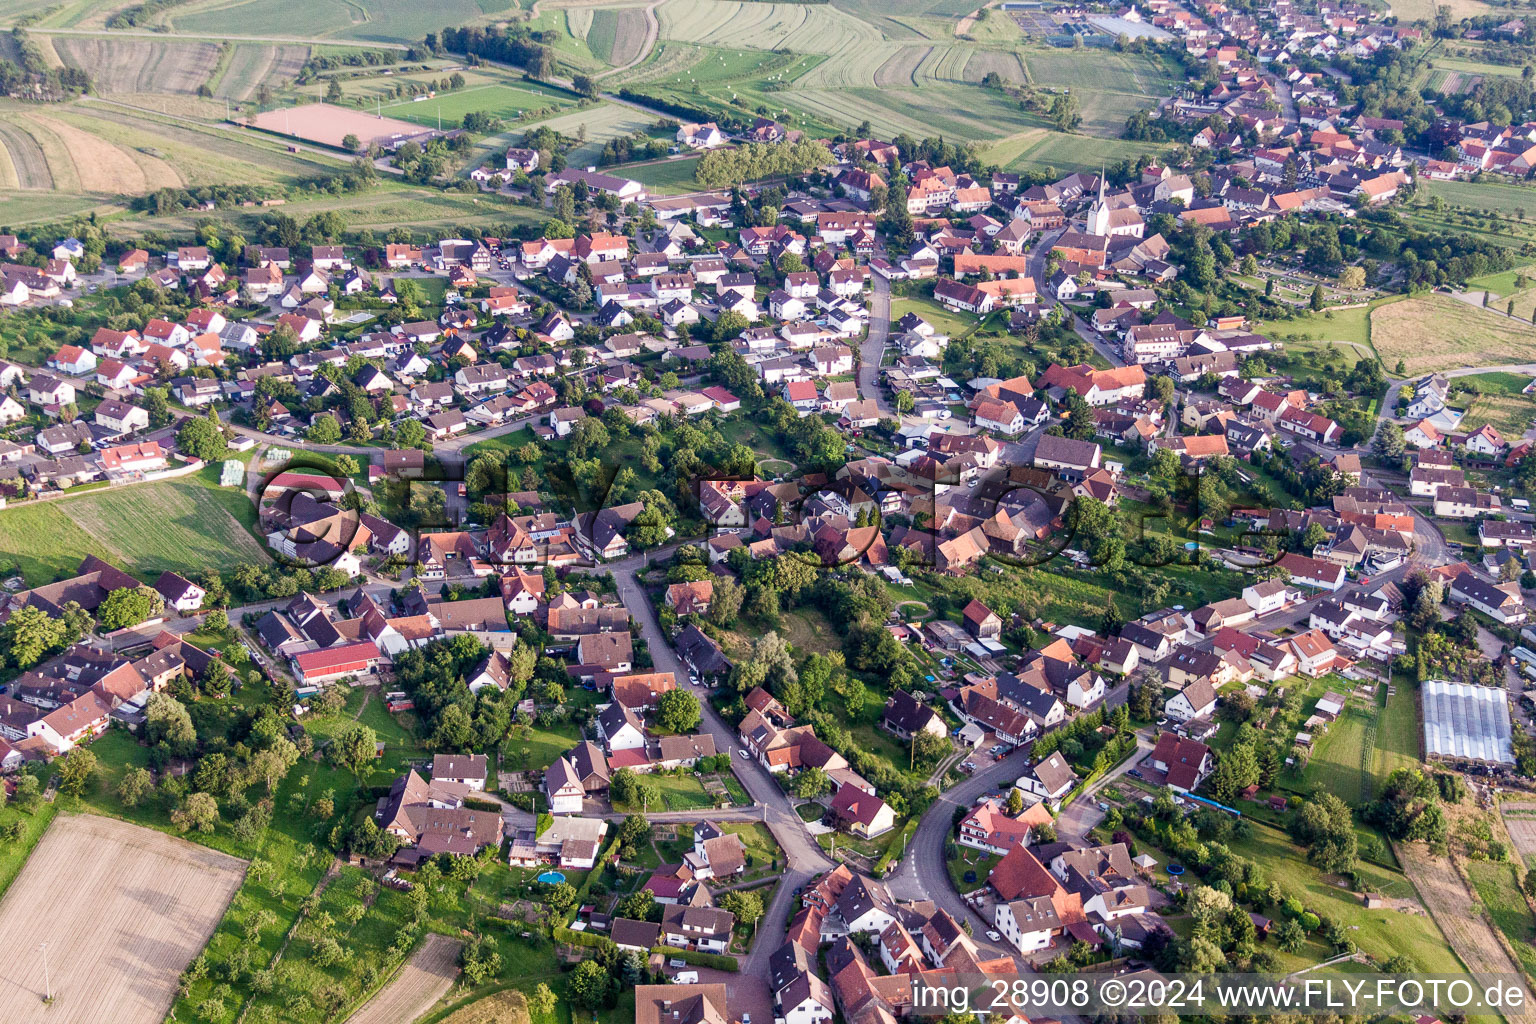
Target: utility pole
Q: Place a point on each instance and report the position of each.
(47, 985)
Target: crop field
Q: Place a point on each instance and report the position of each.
(617, 34)
(392, 21)
(1520, 820)
(1498, 196)
(127, 910)
(423, 980)
(139, 65)
(253, 63)
(1039, 147)
(1436, 332)
(390, 205)
(918, 82)
(144, 151)
(1005, 64)
(1109, 87)
(173, 524)
(1471, 936)
(28, 164)
(508, 102)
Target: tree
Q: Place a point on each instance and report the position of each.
(1290, 936)
(354, 749)
(202, 439)
(590, 986)
(1015, 805)
(1326, 827)
(28, 792)
(136, 785)
(324, 429)
(637, 906)
(166, 721)
(747, 906)
(76, 771)
(29, 636)
(1352, 278)
(128, 606)
(198, 813)
(1317, 298)
(543, 1000)
(631, 789)
(561, 898)
(678, 711)
(351, 143)
(930, 748)
(811, 783)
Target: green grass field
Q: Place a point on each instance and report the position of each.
(390, 21)
(1362, 748)
(1381, 933)
(1504, 905)
(508, 102)
(182, 525)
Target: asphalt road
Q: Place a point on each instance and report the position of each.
(805, 859)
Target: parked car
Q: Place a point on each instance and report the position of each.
(1134, 773)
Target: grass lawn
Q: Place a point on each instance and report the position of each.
(1344, 325)
(43, 545)
(970, 862)
(678, 793)
(542, 745)
(1382, 933)
(34, 824)
(943, 320)
(1505, 906)
(663, 176)
(1343, 760)
(1510, 415)
(763, 853)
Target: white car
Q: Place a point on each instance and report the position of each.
(741, 752)
(995, 936)
(685, 978)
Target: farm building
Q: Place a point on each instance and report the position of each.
(1467, 723)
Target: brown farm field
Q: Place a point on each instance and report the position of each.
(1520, 820)
(423, 980)
(139, 65)
(1472, 938)
(127, 910)
(1437, 332)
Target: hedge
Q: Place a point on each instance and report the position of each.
(575, 938)
(719, 961)
(896, 847)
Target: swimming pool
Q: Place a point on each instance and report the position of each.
(552, 877)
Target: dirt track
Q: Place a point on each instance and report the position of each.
(420, 983)
(123, 910)
(1458, 914)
